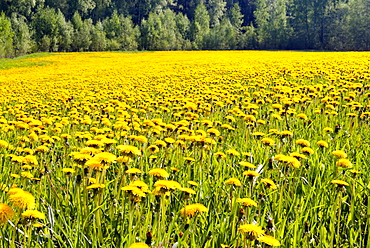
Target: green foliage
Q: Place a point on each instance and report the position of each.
(216, 9)
(236, 17)
(358, 25)
(98, 40)
(120, 30)
(65, 32)
(45, 24)
(200, 26)
(85, 6)
(272, 24)
(222, 37)
(22, 7)
(6, 36)
(160, 32)
(82, 33)
(22, 39)
(249, 39)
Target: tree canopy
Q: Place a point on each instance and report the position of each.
(98, 25)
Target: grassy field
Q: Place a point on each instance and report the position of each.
(185, 149)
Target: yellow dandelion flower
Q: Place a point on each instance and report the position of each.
(258, 134)
(14, 190)
(247, 202)
(169, 140)
(26, 174)
(6, 213)
(29, 151)
(233, 181)
(277, 106)
(124, 159)
(33, 214)
(220, 155)
(251, 118)
(38, 225)
(288, 160)
(141, 139)
(30, 159)
(297, 155)
(160, 143)
(42, 148)
(3, 144)
(307, 150)
(302, 116)
(167, 184)
(302, 142)
(81, 158)
(153, 157)
(139, 245)
(189, 159)
(193, 210)
(188, 190)
(269, 183)
(269, 240)
(328, 129)
(355, 171)
(92, 180)
(322, 143)
(340, 182)
(96, 186)
(129, 150)
(158, 172)
(233, 152)
(193, 183)
(133, 171)
(252, 231)
(247, 164)
(286, 133)
(153, 149)
(95, 164)
(68, 170)
(339, 154)
(228, 127)
(344, 163)
(273, 131)
(94, 143)
(133, 190)
(213, 132)
(141, 185)
(251, 174)
(105, 157)
(22, 199)
(267, 141)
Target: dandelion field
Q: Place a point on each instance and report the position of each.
(185, 149)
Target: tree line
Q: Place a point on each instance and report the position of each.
(99, 25)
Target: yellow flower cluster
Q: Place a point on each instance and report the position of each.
(169, 129)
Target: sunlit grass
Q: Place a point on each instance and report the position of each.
(23, 61)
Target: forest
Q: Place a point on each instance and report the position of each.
(130, 25)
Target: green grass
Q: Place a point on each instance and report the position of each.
(22, 61)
